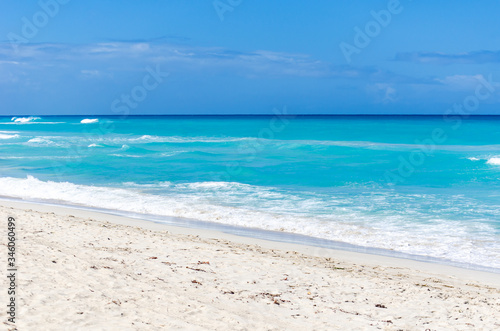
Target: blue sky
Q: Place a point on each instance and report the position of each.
(248, 57)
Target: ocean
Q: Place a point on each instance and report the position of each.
(425, 187)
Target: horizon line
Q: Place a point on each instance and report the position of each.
(249, 115)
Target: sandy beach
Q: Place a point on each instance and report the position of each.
(84, 270)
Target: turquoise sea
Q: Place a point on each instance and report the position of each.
(425, 187)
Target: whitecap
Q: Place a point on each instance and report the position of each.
(350, 226)
(8, 136)
(89, 120)
(25, 119)
(494, 161)
(41, 141)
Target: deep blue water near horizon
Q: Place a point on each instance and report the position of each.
(423, 185)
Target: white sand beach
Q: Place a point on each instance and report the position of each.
(83, 270)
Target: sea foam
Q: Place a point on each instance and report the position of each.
(8, 136)
(25, 119)
(40, 141)
(193, 200)
(494, 161)
(89, 120)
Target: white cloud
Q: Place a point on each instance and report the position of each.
(90, 72)
(461, 82)
(134, 56)
(383, 93)
(9, 62)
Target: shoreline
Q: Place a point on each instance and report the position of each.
(367, 257)
(101, 271)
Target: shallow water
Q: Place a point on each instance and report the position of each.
(417, 185)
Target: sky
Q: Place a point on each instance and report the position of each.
(249, 57)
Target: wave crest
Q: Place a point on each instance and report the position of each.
(25, 119)
(8, 136)
(40, 141)
(195, 201)
(89, 120)
(494, 161)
